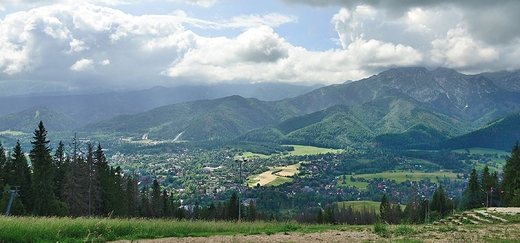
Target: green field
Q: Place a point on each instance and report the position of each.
(275, 176)
(250, 155)
(397, 176)
(360, 205)
(309, 150)
(496, 160)
(483, 151)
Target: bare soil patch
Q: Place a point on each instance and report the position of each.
(327, 236)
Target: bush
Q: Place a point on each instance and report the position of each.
(381, 229)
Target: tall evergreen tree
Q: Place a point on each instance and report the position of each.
(75, 188)
(156, 199)
(111, 185)
(94, 190)
(44, 200)
(20, 175)
(232, 207)
(61, 165)
(511, 179)
(165, 205)
(3, 162)
(384, 208)
(144, 202)
(473, 195)
(251, 211)
(488, 181)
(131, 195)
(439, 202)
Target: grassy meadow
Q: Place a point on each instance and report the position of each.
(52, 229)
(274, 176)
(308, 150)
(398, 176)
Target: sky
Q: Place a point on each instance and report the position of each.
(138, 44)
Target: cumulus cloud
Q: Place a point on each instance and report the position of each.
(202, 3)
(493, 22)
(71, 43)
(83, 65)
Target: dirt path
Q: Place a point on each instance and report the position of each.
(328, 236)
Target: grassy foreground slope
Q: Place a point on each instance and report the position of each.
(31, 229)
(39, 229)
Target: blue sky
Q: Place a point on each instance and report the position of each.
(136, 44)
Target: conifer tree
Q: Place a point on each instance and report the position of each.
(144, 202)
(439, 202)
(131, 195)
(61, 165)
(20, 175)
(384, 208)
(94, 190)
(3, 161)
(75, 188)
(251, 211)
(319, 216)
(511, 179)
(165, 206)
(156, 199)
(232, 208)
(44, 202)
(473, 195)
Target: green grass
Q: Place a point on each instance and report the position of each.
(412, 176)
(359, 205)
(358, 184)
(279, 180)
(309, 150)
(250, 155)
(483, 151)
(398, 176)
(36, 229)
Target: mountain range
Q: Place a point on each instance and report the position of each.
(400, 107)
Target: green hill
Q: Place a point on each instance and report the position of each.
(223, 118)
(27, 120)
(400, 118)
(499, 134)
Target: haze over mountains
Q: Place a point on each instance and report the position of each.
(402, 107)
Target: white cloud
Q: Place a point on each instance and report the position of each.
(459, 50)
(202, 3)
(105, 62)
(83, 65)
(75, 42)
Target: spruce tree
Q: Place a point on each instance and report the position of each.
(473, 195)
(439, 202)
(156, 199)
(75, 188)
(511, 179)
(20, 175)
(131, 195)
(251, 211)
(94, 190)
(3, 162)
(384, 208)
(61, 165)
(232, 207)
(44, 202)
